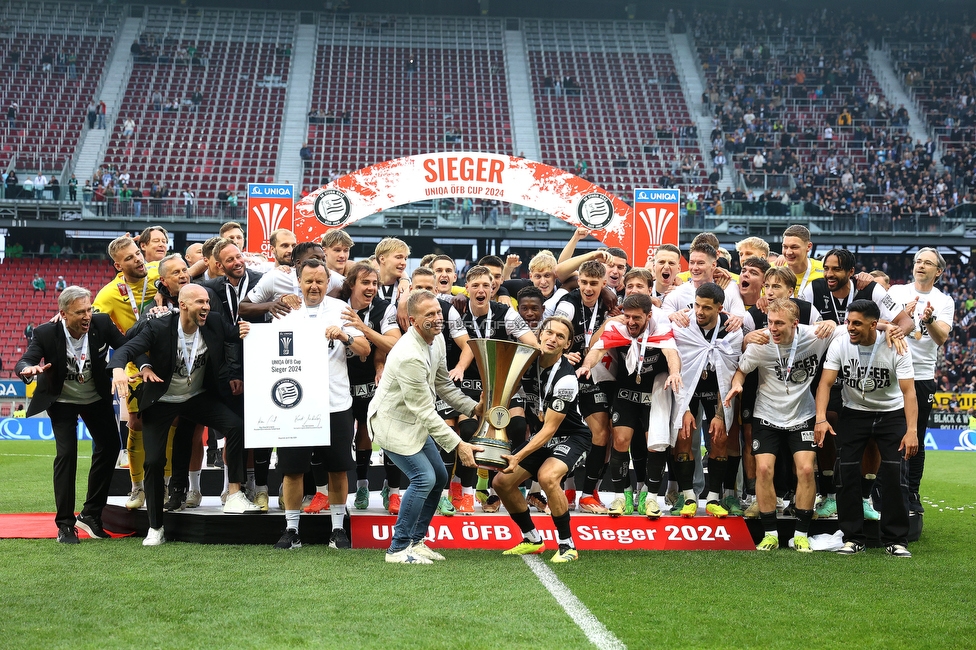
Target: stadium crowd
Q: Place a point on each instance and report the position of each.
(617, 343)
(793, 98)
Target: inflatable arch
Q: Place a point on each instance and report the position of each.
(637, 230)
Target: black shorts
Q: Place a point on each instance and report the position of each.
(336, 457)
(360, 406)
(571, 450)
(470, 387)
(592, 399)
(445, 410)
(609, 389)
(362, 394)
(631, 408)
(767, 438)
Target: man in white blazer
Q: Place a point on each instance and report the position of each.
(403, 420)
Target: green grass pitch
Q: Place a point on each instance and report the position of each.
(117, 594)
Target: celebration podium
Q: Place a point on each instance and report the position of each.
(373, 528)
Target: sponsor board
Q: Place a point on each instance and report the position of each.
(950, 440)
(479, 175)
(942, 401)
(36, 428)
(13, 388)
(269, 207)
(590, 533)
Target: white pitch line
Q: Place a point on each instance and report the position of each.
(594, 630)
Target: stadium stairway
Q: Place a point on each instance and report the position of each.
(113, 85)
(693, 87)
(297, 101)
(893, 89)
(525, 131)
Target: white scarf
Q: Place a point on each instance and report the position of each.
(696, 352)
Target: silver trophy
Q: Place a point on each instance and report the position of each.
(502, 365)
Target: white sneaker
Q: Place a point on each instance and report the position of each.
(238, 504)
(406, 556)
(137, 499)
(123, 461)
(422, 550)
(193, 499)
(154, 537)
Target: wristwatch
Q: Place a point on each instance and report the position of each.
(348, 341)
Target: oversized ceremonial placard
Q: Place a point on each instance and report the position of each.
(286, 375)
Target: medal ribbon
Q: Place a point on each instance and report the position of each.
(792, 358)
(189, 355)
(806, 278)
(234, 296)
(132, 297)
(592, 326)
(538, 381)
(79, 353)
(474, 325)
(867, 371)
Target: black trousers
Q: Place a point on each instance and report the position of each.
(204, 409)
(925, 392)
(887, 429)
(100, 419)
(182, 450)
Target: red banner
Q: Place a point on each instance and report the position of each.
(590, 533)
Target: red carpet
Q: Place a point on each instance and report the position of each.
(34, 525)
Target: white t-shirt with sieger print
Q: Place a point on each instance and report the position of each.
(784, 399)
(866, 384)
(925, 353)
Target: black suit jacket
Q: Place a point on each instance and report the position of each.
(217, 285)
(159, 338)
(49, 344)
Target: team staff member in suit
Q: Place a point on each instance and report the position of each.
(403, 420)
(73, 382)
(193, 373)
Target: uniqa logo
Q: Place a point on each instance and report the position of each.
(967, 440)
(270, 216)
(656, 222)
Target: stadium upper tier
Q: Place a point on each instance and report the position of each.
(941, 77)
(52, 64)
(227, 137)
(399, 86)
(205, 94)
(621, 111)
